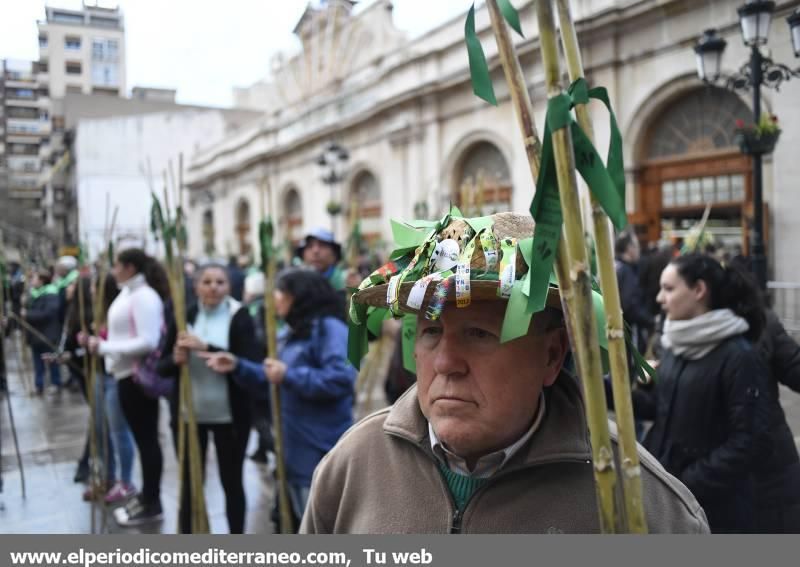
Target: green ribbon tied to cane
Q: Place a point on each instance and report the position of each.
(480, 75)
(605, 181)
(266, 232)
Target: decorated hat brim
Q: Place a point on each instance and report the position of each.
(480, 291)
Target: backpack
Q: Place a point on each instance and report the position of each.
(145, 371)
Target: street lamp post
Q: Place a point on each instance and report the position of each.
(755, 17)
(333, 161)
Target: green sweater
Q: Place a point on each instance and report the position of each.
(461, 487)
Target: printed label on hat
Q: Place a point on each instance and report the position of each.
(392, 292)
(463, 274)
(489, 245)
(417, 294)
(508, 267)
(445, 255)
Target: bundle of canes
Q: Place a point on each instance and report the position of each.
(94, 389)
(572, 264)
(266, 234)
(4, 287)
(172, 231)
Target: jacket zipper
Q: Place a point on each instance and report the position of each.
(455, 526)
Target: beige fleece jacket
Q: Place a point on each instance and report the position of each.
(382, 477)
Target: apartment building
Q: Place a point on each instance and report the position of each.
(80, 52)
(83, 51)
(24, 134)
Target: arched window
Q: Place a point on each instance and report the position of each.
(293, 209)
(208, 232)
(243, 226)
(366, 194)
(700, 121)
(690, 161)
(483, 181)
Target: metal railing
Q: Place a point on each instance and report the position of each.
(785, 298)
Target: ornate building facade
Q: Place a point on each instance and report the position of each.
(417, 138)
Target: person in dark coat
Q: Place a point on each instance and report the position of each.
(634, 306)
(779, 474)
(216, 323)
(316, 380)
(42, 313)
(711, 405)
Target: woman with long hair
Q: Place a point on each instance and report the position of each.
(222, 410)
(316, 380)
(110, 419)
(711, 406)
(135, 321)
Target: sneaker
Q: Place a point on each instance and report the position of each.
(119, 492)
(136, 514)
(93, 493)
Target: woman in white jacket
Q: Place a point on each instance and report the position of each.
(135, 323)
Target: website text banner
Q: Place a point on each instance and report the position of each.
(391, 551)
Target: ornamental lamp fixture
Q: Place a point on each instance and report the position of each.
(755, 17)
(708, 52)
(333, 159)
(794, 28)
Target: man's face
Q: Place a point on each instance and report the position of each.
(319, 255)
(478, 394)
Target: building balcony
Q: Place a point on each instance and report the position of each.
(28, 126)
(16, 192)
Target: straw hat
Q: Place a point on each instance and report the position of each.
(440, 263)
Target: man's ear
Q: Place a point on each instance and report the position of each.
(557, 349)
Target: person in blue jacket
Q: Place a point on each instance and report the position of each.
(316, 380)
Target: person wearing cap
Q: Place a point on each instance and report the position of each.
(320, 251)
(493, 437)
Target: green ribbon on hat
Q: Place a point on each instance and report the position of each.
(480, 75)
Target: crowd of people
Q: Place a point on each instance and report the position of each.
(224, 348)
(486, 436)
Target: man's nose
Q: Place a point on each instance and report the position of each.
(449, 358)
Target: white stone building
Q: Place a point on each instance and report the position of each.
(415, 133)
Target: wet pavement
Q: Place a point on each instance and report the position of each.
(51, 430)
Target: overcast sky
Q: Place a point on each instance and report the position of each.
(203, 48)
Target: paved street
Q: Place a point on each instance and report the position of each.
(51, 433)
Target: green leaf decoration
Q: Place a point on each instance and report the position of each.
(511, 15)
(110, 253)
(409, 335)
(156, 218)
(266, 232)
(478, 67)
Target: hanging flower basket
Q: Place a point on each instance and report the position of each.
(333, 208)
(758, 139)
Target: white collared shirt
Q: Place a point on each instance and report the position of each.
(489, 464)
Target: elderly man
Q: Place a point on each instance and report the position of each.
(493, 438)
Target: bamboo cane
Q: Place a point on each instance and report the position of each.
(12, 424)
(39, 336)
(270, 321)
(199, 516)
(588, 348)
(533, 147)
(617, 352)
(98, 470)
